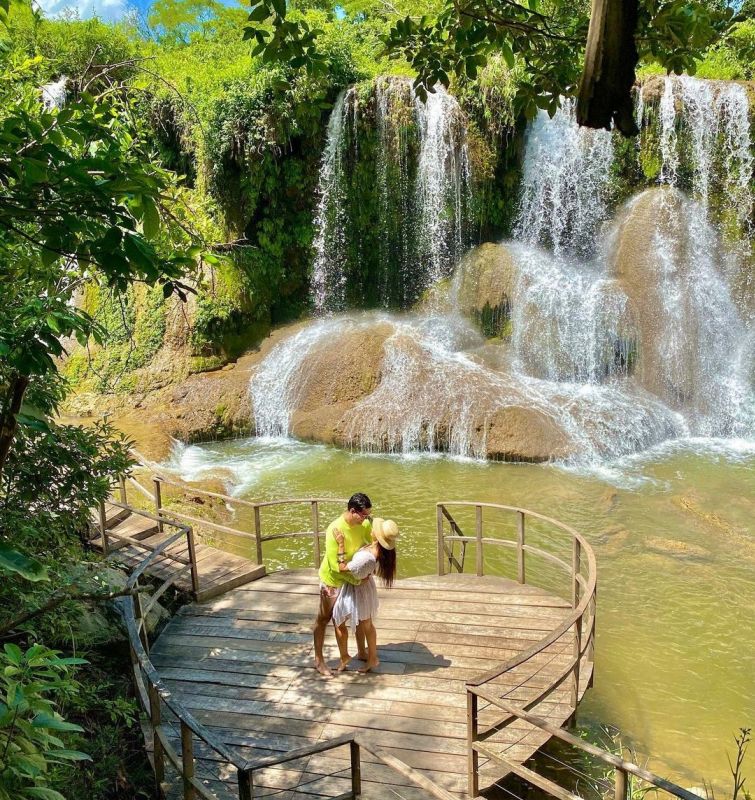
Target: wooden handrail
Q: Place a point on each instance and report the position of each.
(152, 693)
(581, 595)
(608, 758)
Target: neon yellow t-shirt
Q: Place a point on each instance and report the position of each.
(354, 537)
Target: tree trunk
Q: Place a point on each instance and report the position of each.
(8, 422)
(605, 89)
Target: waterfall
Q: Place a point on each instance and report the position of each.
(565, 182)
(669, 155)
(328, 275)
(422, 190)
(443, 184)
(54, 93)
(570, 321)
(715, 118)
(617, 325)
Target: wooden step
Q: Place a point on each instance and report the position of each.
(114, 515)
(134, 527)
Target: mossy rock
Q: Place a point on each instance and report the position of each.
(484, 287)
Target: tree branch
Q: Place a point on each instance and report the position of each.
(60, 597)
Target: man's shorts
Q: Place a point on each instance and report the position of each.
(328, 596)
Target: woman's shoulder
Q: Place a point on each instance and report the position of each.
(364, 555)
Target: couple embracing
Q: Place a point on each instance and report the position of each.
(356, 547)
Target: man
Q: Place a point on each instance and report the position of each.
(356, 526)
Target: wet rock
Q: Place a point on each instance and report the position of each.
(484, 285)
(518, 433)
(660, 215)
(610, 499)
(675, 547)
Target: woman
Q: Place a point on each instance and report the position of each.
(358, 604)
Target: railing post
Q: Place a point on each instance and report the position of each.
(620, 785)
(356, 769)
(246, 784)
(122, 486)
(593, 608)
(576, 565)
(473, 777)
(520, 547)
(187, 759)
(155, 719)
(193, 560)
(139, 617)
(258, 534)
(103, 528)
(441, 553)
(575, 677)
(157, 493)
(316, 533)
(478, 532)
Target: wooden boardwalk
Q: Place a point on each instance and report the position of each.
(242, 665)
(131, 536)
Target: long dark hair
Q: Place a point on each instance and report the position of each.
(386, 565)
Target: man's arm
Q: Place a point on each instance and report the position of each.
(333, 543)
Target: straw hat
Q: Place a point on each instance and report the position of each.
(385, 531)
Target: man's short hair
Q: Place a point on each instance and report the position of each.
(359, 502)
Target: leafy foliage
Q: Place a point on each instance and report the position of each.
(30, 726)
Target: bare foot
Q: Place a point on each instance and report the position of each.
(369, 666)
(362, 656)
(343, 665)
(323, 669)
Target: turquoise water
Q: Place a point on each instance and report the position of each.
(673, 536)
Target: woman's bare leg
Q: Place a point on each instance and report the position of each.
(371, 636)
(361, 644)
(342, 639)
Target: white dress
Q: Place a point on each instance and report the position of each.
(360, 602)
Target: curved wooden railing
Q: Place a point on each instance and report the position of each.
(578, 624)
(250, 539)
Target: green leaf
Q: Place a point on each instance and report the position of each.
(43, 793)
(69, 755)
(151, 219)
(13, 653)
(44, 720)
(260, 14)
(508, 54)
(13, 561)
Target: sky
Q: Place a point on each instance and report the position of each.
(105, 9)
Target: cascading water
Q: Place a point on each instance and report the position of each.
(618, 329)
(443, 184)
(328, 276)
(423, 187)
(565, 182)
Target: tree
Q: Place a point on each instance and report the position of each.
(547, 38)
(81, 199)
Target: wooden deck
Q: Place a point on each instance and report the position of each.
(218, 570)
(242, 664)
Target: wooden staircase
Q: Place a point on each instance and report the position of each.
(130, 535)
